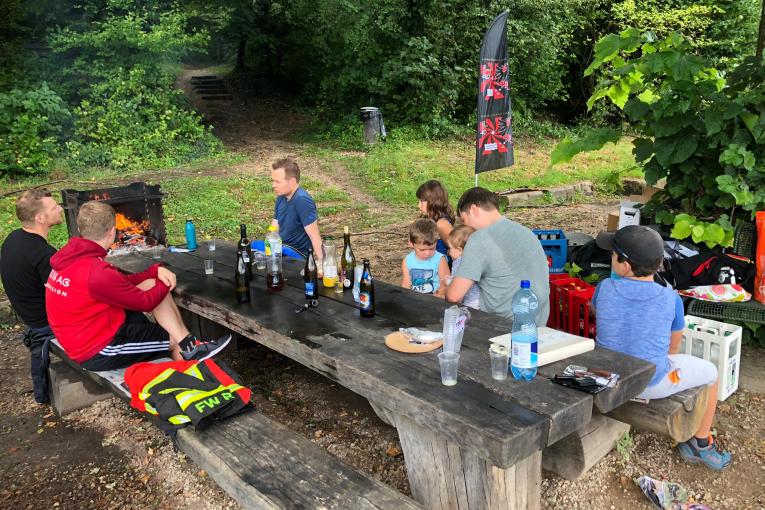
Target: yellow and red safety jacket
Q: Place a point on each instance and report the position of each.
(182, 392)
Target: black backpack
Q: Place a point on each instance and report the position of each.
(711, 268)
(592, 260)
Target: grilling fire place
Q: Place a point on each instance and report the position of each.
(140, 222)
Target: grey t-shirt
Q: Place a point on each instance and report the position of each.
(498, 257)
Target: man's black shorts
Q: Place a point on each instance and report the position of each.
(138, 339)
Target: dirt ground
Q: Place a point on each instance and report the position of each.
(107, 456)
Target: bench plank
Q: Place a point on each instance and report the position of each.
(263, 464)
(678, 416)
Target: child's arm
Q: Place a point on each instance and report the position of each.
(406, 282)
(443, 276)
(675, 340)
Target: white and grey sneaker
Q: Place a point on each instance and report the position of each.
(201, 350)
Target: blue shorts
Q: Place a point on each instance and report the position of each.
(690, 372)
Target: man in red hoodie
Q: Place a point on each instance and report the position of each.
(95, 310)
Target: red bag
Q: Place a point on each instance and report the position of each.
(759, 279)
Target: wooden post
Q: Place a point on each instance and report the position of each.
(443, 476)
(576, 453)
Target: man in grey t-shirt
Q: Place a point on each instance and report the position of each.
(498, 256)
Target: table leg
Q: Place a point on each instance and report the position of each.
(443, 476)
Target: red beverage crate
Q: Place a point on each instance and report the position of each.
(581, 317)
(561, 291)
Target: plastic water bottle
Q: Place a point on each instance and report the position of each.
(191, 235)
(523, 362)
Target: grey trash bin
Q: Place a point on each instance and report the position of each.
(374, 126)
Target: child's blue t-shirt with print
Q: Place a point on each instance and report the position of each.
(637, 318)
(423, 274)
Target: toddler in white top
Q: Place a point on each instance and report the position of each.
(457, 239)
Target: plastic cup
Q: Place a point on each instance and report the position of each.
(500, 358)
(209, 266)
(260, 260)
(211, 245)
(156, 252)
(449, 362)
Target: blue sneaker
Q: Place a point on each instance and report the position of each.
(709, 456)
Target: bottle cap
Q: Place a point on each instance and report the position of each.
(525, 284)
(188, 221)
(345, 230)
(271, 228)
(329, 238)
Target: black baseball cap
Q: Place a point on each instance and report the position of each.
(637, 243)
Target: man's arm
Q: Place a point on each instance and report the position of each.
(313, 234)
(456, 291)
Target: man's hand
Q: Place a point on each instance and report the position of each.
(166, 276)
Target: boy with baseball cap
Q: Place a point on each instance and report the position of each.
(641, 318)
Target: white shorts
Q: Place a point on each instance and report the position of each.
(692, 372)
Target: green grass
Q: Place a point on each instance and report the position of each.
(393, 170)
(217, 204)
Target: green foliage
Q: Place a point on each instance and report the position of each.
(624, 447)
(703, 133)
(31, 124)
(127, 124)
(574, 271)
(593, 141)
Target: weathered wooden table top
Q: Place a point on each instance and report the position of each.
(501, 421)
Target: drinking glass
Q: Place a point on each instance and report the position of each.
(211, 245)
(339, 283)
(449, 362)
(500, 358)
(209, 266)
(155, 252)
(260, 260)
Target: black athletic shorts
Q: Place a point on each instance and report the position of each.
(138, 339)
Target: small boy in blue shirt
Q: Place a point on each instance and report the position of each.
(641, 318)
(424, 269)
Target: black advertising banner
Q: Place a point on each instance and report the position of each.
(494, 132)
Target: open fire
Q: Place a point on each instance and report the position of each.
(131, 234)
(139, 219)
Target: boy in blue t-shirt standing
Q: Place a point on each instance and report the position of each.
(641, 318)
(424, 269)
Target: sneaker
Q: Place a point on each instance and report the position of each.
(201, 350)
(709, 456)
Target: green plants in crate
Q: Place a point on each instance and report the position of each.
(702, 131)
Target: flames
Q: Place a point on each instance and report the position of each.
(132, 233)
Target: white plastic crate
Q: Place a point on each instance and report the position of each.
(719, 343)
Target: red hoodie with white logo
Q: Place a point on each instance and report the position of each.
(86, 297)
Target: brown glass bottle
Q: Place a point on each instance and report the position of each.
(347, 261)
(366, 292)
(311, 272)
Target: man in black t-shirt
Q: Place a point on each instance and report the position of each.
(24, 269)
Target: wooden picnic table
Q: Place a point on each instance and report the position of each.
(474, 445)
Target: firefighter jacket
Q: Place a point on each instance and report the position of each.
(182, 392)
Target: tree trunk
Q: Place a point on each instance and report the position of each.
(761, 32)
(240, 53)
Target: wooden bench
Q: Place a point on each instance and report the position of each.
(678, 416)
(262, 464)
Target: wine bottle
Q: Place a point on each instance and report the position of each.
(242, 283)
(246, 249)
(347, 261)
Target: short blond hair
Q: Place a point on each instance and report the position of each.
(459, 235)
(95, 219)
(423, 231)
(29, 204)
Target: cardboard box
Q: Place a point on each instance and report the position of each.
(629, 214)
(613, 221)
(650, 191)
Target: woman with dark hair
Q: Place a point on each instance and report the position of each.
(434, 204)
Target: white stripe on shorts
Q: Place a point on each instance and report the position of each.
(135, 348)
